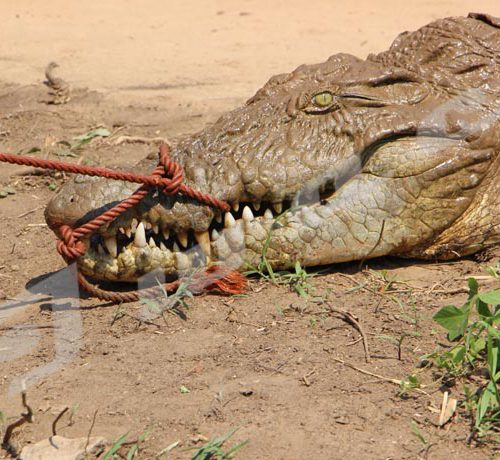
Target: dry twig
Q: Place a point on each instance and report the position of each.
(351, 319)
(139, 140)
(26, 417)
(54, 423)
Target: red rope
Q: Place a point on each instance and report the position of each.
(168, 176)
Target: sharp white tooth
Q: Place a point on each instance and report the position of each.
(236, 207)
(147, 225)
(156, 228)
(203, 239)
(176, 247)
(128, 232)
(278, 207)
(247, 214)
(183, 238)
(268, 214)
(163, 247)
(229, 220)
(100, 250)
(166, 233)
(152, 243)
(256, 206)
(121, 229)
(133, 225)
(111, 245)
(140, 236)
(215, 235)
(218, 218)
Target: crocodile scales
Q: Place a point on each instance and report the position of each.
(397, 154)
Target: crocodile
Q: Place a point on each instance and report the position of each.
(397, 154)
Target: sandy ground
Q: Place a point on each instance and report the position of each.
(268, 362)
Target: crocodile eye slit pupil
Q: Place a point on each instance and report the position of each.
(323, 99)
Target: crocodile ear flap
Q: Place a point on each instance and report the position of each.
(393, 77)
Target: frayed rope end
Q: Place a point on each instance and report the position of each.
(220, 278)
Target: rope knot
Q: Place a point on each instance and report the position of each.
(174, 170)
(68, 246)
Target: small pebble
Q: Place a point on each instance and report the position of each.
(246, 392)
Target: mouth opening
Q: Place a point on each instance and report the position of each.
(135, 245)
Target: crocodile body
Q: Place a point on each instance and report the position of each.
(398, 154)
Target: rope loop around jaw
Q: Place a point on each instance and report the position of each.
(168, 176)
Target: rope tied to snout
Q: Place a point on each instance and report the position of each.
(168, 177)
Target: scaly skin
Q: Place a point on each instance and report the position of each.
(397, 154)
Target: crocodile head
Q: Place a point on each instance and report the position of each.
(344, 160)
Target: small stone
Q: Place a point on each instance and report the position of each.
(60, 448)
(246, 392)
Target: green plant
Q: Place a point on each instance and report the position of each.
(169, 303)
(79, 141)
(418, 433)
(212, 450)
(298, 280)
(473, 330)
(495, 270)
(121, 442)
(412, 383)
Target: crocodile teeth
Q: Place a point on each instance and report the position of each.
(111, 245)
(140, 236)
(176, 247)
(163, 247)
(218, 218)
(183, 238)
(229, 220)
(256, 206)
(203, 240)
(268, 214)
(166, 233)
(215, 235)
(147, 225)
(133, 225)
(152, 243)
(247, 214)
(236, 207)
(155, 228)
(100, 250)
(121, 229)
(128, 232)
(278, 207)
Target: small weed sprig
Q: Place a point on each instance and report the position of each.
(298, 280)
(69, 148)
(212, 450)
(121, 443)
(473, 328)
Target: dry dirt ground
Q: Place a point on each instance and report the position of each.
(269, 362)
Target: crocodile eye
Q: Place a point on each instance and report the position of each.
(323, 99)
